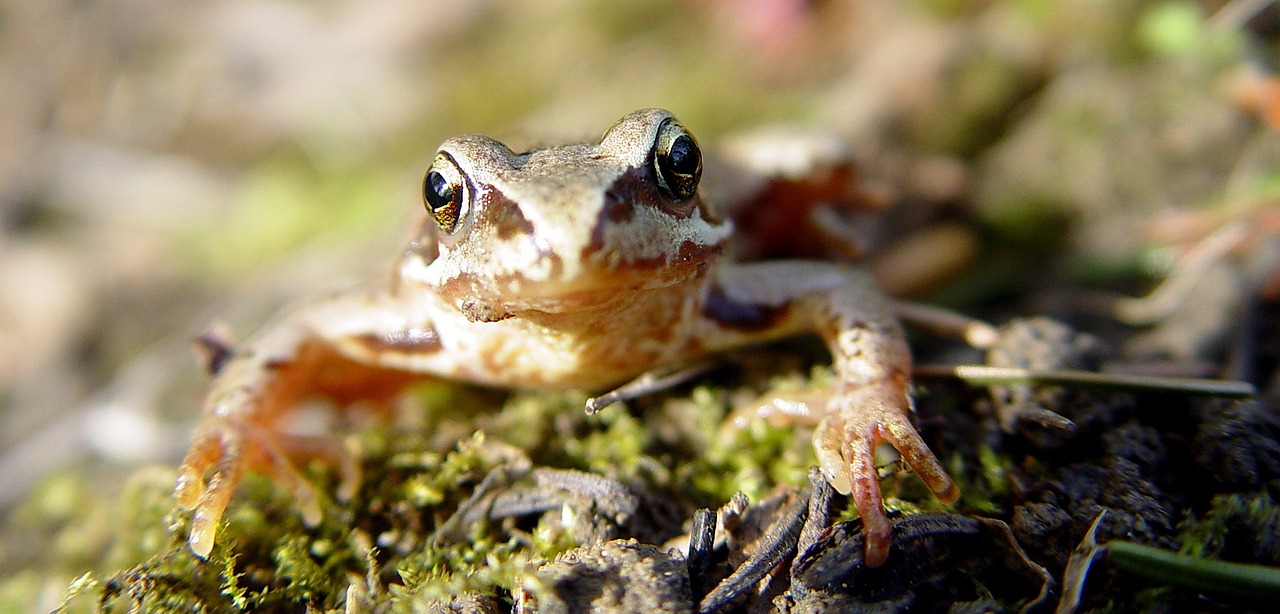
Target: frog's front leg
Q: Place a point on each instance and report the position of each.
(345, 348)
(870, 402)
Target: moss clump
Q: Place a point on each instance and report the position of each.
(1239, 526)
(412, 534)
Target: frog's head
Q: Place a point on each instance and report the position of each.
(572, 226)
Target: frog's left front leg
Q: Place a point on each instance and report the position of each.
(870, 403)
(347, 348)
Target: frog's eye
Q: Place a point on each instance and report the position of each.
(677, 161)
(444, 190)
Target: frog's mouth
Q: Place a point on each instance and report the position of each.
(598, 281)
(610, 277)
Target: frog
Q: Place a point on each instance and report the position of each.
(574, 266)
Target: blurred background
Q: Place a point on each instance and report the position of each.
(168, 164)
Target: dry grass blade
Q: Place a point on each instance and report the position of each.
(979, 375)
(1078, 568)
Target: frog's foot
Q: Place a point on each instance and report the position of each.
(781, 408)
(229, 449)
(845, 442)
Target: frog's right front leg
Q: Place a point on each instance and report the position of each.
(347, 348)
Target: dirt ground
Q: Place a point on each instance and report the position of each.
(1097, 179)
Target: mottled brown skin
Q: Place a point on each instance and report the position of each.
(576, 266)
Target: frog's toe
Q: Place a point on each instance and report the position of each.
(845, 442)
(846, 456)
(204, 453)
(898, 431)
(228, 452)
(209, 499)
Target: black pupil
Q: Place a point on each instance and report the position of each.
(683, 155)
(441, 193)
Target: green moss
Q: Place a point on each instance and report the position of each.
(1251, 519)
(984, 487)
(485, 563)
(750, 458)
(381, 542)
(614, 447)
